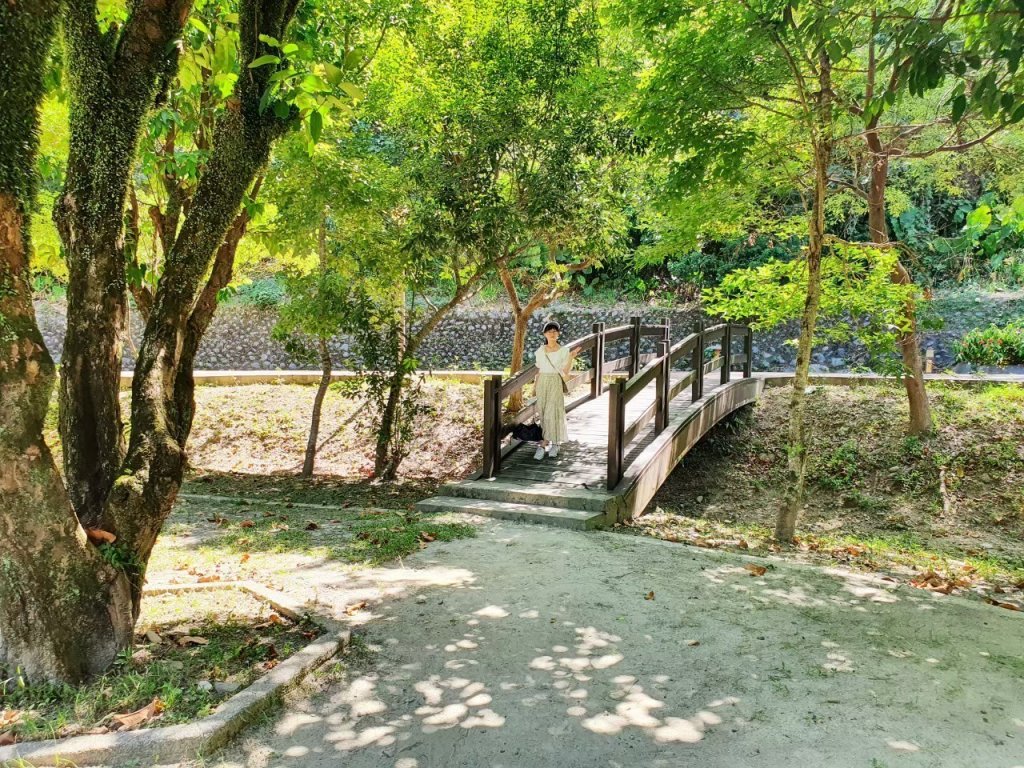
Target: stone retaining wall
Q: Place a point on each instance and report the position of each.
(239, 337)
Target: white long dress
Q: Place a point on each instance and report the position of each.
(550, 398)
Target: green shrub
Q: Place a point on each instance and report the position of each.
(992, 346)
(267, 292)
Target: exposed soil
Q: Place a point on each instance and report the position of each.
(873, 492)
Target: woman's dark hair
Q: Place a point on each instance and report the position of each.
(551, 325)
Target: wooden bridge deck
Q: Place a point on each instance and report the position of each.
(571, 489)
(583, 461)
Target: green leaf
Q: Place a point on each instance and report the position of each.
(333, 74)
(354, 91)
(265, 100)
(959, 107)
(289, 48)
(271, 41)
(264, 60)
(281, 109)
(198, 24)
(316, 126)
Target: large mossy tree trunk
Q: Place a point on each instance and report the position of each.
(909, 339)
(63, 610)
(822, 141)
(112, 80)
(163, 386)
(65, 613)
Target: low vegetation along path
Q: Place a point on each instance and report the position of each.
(530, 646)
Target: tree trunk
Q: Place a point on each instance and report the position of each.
(909, 341)
(52, 579)
(325, 368)
(163, 386)
(521, 321)
(822, 135)
(389, 455)
(521, 324)
(318, 402)
(113, 80)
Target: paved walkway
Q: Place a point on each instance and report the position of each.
(534, 647)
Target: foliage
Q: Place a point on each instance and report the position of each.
(708, 267)
(994, 345)
(858, 296)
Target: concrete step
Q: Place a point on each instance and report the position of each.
(505, 510)
(540, 494)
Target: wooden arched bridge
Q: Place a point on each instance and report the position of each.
(631, 420)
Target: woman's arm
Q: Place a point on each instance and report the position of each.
(568, 362)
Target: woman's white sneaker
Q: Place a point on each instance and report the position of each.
(553, 450)
(539, 453)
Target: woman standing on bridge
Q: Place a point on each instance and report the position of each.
(554, 363)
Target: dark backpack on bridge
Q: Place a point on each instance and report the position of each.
(528, 433)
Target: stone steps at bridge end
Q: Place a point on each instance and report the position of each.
(524, 513)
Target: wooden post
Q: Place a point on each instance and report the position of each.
(748, 350)
(929, 360)
(616, 426)
(496, 410)
(634, 346)
(597, 362)
(697, 391)
(726, 352)
(487, 468)
(663, 385)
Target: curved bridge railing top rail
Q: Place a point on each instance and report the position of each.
(705, 350)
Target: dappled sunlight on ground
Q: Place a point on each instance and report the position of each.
(534, 647)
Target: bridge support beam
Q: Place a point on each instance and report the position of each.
(597, 361)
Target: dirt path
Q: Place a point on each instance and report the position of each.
(536, 647)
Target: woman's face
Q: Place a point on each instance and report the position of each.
(551, 335)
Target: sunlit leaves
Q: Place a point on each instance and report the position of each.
(858, 297)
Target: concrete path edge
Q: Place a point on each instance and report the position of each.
(188, 740)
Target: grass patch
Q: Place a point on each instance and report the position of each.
(178, 679)
(365, 538)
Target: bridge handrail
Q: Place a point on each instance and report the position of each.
(497, 390)
(621, 434)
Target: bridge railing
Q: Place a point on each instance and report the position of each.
(498, 443)
(694, 349)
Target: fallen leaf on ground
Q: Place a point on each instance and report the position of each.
(311, 526)
(9, 717)
(355, 607)
(755, 570)
(134, 719)
(693, 643)
(218, 519)
(649, 596)
(274, 619)
(208, 579)
(1000, 604)
(192, 640)
(99, 536)
(246, 524)
(7, 738)
(270, 664)
(245, 558)
(424, 536)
